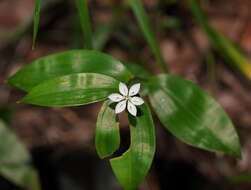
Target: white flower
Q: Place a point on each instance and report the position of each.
(127, 99)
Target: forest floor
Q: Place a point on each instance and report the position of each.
(186, 51)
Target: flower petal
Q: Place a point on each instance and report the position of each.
(123, 89)
(134, 89)
(137, 101)
(116, 97)
(131, 108)
(120, 106)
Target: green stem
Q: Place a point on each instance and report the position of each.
(23, 28)
(36, 21)
(231, 53)
(144, 23)
(83, 12)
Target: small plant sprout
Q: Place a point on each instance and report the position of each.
(127, 98)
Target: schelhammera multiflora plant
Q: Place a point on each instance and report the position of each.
(80, 77)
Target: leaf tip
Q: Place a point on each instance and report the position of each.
(235, 152)
(12, 81)
(100, 155)
(103, 155)
(23, 100)
(238, 154)
(6, 82)
(9, 80)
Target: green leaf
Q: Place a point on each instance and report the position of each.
(69, 62)
(192, 115)
(107, 138)
(72, 90)
(85, 22)
(15, 161)
(143, 21)
(132, 167)
(234, 57)
(138, 71)
(36, 21)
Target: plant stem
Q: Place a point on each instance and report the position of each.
(144, 23)
(22, 29)
(83, 12)
(36, 21)
(229, 51)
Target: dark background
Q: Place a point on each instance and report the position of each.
(61, 140)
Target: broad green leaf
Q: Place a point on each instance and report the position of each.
(15, 161)
(85, 22)
(107, 138)
(132, 167)
(69, 62)
(138, 71)
(143, 21)
(192, 115)
(36, 20)
(234, 57)
(72, 90)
